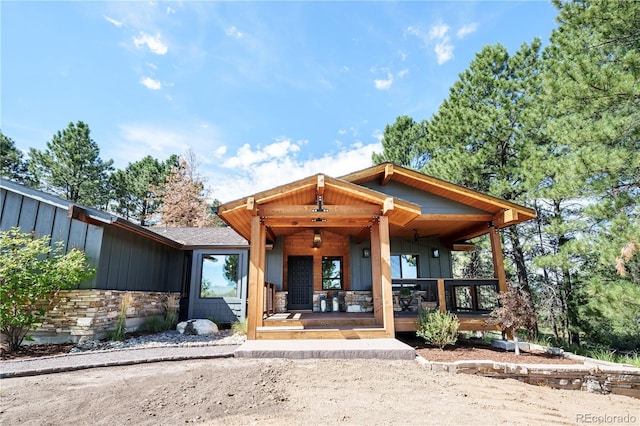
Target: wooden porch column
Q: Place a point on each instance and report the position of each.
(381, 274)
(498, 259)
(256, 277)
(442, 303)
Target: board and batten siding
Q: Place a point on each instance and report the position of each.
(128, 262)
(123, 261)
(44, 219)
(429, 267)
(430, 203)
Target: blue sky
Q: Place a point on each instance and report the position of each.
(263, 92)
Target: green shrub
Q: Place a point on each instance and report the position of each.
(239, 327)
(438, 328)
(32, 270)
(154, 324)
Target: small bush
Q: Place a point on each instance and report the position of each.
(154, 324)
(239, 327)
(438, 328)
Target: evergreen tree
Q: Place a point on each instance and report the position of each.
(12, 165)
(593, 162)
(403, 144)
(71, 167)
(133, 187)
(488, 128)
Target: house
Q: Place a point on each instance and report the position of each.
(350, 257)
(372, 247)
(153, 265)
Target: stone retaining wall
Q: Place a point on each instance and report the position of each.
(78, 315)
(592, 377)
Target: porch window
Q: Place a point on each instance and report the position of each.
(404, 266)
(332, 273)
(219, 275)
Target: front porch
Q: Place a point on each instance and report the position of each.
(470, 300)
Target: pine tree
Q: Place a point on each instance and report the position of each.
(12, 164)
(403, 144)
(134, 187)
(71, 167)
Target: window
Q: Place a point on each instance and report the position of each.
(404, 266)
(331, 273)
(219, 275)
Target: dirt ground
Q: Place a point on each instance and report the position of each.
(276, 392)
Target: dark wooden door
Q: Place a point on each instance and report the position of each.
(300, 283)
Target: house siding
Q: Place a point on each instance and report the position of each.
(430, 203)
(129, 263)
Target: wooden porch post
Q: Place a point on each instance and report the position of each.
(256, 277)
(381, 274)
(498, 259)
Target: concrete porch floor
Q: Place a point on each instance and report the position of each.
(327, 348)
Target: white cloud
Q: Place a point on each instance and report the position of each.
(151, 65)
(466, 30)
(439, 38)
(444, 51)
(246, 157)
(240, 181)
(113, 21)
(403, 72)
(438, 31)
(137, 140)
(233, 32)
(154, 44)
(383, 84)
(150, 83)
(170, 10)
(221, 151)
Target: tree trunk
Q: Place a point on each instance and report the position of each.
(521, 271)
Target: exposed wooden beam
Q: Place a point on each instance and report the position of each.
(271, 234)
(251, 205)
(472, 232)
(340, 222)
(388, 173)
(320, 185)
(387, 206)
(306, 211)
(456, 217)
(505, 218)
(256, 278)
(463, 247)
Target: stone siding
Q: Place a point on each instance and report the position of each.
(78, 315)
(598, 377)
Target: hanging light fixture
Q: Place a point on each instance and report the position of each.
(317, 239)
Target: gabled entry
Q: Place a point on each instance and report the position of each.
(300, 283)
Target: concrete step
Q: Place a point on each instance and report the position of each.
(383, 348)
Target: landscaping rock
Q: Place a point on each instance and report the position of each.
(197, 327)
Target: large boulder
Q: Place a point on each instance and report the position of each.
(197, 326)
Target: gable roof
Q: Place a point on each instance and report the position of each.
(288, 208)
(501, 213)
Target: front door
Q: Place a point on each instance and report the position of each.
(300, 283)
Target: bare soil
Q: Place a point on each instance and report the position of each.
(276, 392)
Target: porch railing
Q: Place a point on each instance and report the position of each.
(269, 298)
(460, 296)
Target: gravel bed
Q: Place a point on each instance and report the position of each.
(165, 339)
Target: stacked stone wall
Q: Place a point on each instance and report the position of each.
(78, 315)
